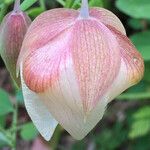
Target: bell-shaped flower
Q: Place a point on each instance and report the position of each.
(12, 32)
(72, 64)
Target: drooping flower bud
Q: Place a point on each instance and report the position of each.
(72, 64)
(12, 32)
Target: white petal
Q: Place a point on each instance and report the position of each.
(41, 117)
(120, 84)
(64, 102)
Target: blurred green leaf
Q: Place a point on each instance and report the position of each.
(79, 146)
(139, 128)
(141, 122)
(140, 91)
(141, 143)
(135, 8)
(134, 96)
(28, 132)
(5, 104)
(135, 23)
(62, 2)
(2, 120)
(142, 113)
(76, 4)
(34, 12)
(96, 3)
(8, 2)
(69, 3)
(114, 136)
(147, 72)
(3, 140)
(142, 42)
(27, 4)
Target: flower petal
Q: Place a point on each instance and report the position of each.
(93, 50)
(108, 18)
(131, 57)
(78, 78)
(48, 25)
(64, 102)
(131, 69)
(42, 66)
(38, 112)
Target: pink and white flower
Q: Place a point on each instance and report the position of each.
(72, 64)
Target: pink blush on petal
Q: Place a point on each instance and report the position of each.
(42, 67)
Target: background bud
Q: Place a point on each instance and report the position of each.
(12, 32)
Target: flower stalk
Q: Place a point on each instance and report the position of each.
(84, 12)
(17, 6)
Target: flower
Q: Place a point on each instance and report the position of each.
(72, 64)
(12, 32)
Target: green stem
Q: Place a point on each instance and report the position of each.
(56, 137)
(14, 126)
(8, 137)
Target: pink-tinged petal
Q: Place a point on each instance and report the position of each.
(64, 102)
(42, 66)
(120, 83)
(131, 57)
(38, 112)
(45, 28)
(77, 65)
(96, 58)
(108, 18)
(72, 72)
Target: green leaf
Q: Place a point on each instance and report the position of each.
(69, 3)
(2, 120)
(3, 140)
(142, 113)
(80, 145)
(61, 2)
(5, 104)
(147, 72)
(139, 128)
(96, 3)
(8, 2)
(135, 24)
(140, 91)
(142, 42)
(135, 8)
(107, 136)
(141, 122)
(28, 132)
(34, 12)
(27, 4)
(134, 96)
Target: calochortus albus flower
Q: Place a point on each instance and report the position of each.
(12, 32)
(72, 64)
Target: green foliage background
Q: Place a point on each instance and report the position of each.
(130, 130)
